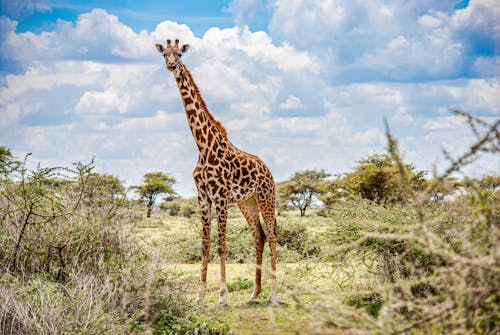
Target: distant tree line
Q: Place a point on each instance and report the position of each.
(376, 178)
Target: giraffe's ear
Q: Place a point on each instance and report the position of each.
(184, 48)
(160, 48)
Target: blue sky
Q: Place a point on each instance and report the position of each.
(303, 84)
(198, 14)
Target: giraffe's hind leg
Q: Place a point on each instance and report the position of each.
(266, 203)
(250, 211)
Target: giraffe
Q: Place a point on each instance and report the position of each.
(223, 175)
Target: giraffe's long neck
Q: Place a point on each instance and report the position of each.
(204, 127)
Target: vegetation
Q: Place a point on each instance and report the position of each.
(180, 207)
(69, 262)
(301, 189)
(376, 178)
(386, 255)
(155, 184)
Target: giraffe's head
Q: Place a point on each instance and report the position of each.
(172, 54)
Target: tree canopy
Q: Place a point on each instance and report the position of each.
(376, 178)
(302, 188)
(155, 184)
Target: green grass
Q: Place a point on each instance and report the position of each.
(305, 283)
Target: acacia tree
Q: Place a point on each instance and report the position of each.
(376, 178)
(154, 185)
(302, 188)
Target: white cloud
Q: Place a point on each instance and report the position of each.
(172, 30)
(308, 95)
(445, 122)
(95, 102)
(292, 102)
(162, 120)
(372, 137)
(307, 23)
(479, 15)
(482, 95)
(396, 40)
(95, 36)
(432, 20)
(487, 66)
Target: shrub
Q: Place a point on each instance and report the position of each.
(376, 178)
(239, 284)
(371, 302)
(85, 304)
(180, 207)
(190, 326)
(173, 207)
(441, 263)
(68, 262)
(61, 221)
(188, 210)
(297, 240)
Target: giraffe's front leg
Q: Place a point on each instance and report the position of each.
(221, 208)
(204, 206)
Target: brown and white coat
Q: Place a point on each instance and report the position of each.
(225, 174)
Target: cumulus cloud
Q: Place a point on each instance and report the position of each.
(102, 102)
(96, 36)
(115, 84)
(292, 102)
(396, 40)
(311, 93)
(479, 20)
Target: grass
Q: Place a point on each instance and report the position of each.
(304, 283)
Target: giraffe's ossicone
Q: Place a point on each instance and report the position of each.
(223, 175)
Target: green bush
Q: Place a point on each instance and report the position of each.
(173, 207)
(59, 221)
(296, 241)
(180, 207)
(84, 304)
(193, 325)
(370, 302)
(239, 284)
(188, 210)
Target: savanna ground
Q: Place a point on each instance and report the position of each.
(307, 284)
(335, 275)
(76, 261)
(78, 257)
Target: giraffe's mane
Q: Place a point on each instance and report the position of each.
(204, 106)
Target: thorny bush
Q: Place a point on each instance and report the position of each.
(440, 260)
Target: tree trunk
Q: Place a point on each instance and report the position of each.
(150, 209)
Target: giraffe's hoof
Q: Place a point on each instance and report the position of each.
(223, 295)
(201, 294)
(254, 295)
(223, 301)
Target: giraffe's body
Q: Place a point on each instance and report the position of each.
(225, 174)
